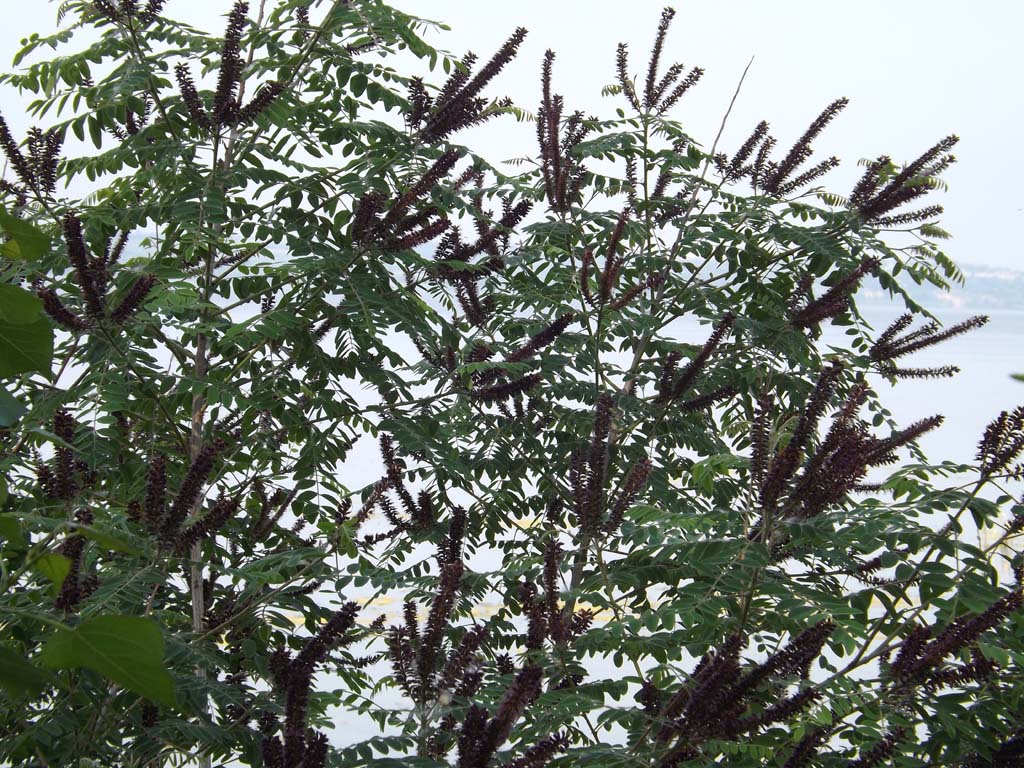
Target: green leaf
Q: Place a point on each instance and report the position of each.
(10, 409)
(995, 653)
(10, 531)
(18, 306)
(106, 540)
(18, 677)
(357, 85)
(345, 543)
(95, 131)
(25, 347)
(26, 241)
(983, 511)
(128, 650)
(54, 567)
(26, 341)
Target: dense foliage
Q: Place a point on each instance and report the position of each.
(634, 510)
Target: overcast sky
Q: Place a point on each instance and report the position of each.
(914, 70)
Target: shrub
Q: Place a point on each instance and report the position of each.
(697, 548)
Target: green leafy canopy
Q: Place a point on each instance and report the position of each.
(326, 441)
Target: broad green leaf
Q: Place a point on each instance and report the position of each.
(54, 567)
(107, 540)
(28, 242)
(18, 306)
(95, 131)
(9, 528)
(18, 677)
(10, 409)
(129, 650)
(25, 347)
(345, 543)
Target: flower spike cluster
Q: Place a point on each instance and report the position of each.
(424, 670)
(607, 278)
(759, 438)
(715, 700)
(920, 655)
(38, 171)
(459, 104)
(419, 511)
(454, 263)
(588, 472)
(541, 753)
(134, 121)
(225, 105)
(506, 390)
(738, 167)
(672, 387)
(1002, 444)
(1008, 753)
(660, 94)
(835, 466)
(76, 587)
(881, 190)
(227, 109)
(270, 509)
(488, 385)
(776, 178)
(890, 345)
(433, 676)
(545, 617)
(807, 748)
(299, 746)
(880, 752)
(482, 733)
(563, 173)
(64, 476)
(542, 339)
(92, 273)
(128, 11)
(588, 476)
(833, 302)
(409, 220)
(222, 510)
(168, 522)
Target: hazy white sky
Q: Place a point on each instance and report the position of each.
(914, 70)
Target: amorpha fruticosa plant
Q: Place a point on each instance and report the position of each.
(635, 512)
